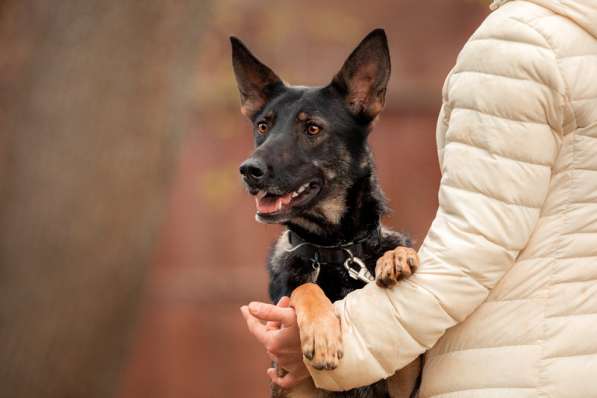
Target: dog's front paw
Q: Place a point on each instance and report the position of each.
(321, 340)
(395, 265)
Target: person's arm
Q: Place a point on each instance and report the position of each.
(499, 131)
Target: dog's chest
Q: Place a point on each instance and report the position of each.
(290, 267)
(335, 281)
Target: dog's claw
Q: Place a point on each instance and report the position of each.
(308, 354)
(321, 340)
(395, 265)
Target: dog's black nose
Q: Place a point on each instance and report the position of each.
(253, 169)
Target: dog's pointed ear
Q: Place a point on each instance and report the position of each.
(256, 82)
(364, 76)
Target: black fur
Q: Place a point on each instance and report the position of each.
(347, 201)
(289, 270)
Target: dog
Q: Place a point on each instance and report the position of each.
(312, 171)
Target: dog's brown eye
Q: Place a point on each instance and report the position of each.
(262, 127)
(313, 129)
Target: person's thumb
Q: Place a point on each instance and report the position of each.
(269, 312)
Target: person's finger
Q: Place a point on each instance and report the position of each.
(272, 356)
(284, 302)
(272, 373)
(271, 325)
(270, 312)
(255, 327)
(281, 372)
(286, 382)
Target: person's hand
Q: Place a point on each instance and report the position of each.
(280, 336)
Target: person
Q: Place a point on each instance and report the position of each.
(505, 301)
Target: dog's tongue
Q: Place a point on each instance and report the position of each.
(271, 204)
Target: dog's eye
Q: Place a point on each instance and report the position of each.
(262, 127)
(313, 129)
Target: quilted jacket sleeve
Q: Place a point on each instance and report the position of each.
(503, 116)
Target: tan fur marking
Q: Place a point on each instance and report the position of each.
(308, 225)
(330, 174)
(249, 108)
(333, 208)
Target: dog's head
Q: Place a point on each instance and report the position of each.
(310, 141)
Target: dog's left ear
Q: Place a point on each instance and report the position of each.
(256, 82)
(364, 76)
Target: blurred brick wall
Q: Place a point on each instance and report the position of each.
(191, 340)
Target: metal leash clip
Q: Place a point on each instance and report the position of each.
(316, 265)
(360, 272)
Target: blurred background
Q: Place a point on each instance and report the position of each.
(201, 254)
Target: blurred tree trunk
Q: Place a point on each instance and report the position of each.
(93, 98)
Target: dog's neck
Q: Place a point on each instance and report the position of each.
(364, 207)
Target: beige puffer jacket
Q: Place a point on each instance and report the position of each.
(506, 297)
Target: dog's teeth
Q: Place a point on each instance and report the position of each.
(279, 205)
(295, 194)
(261, 194)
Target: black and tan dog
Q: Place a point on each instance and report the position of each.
(312, 171)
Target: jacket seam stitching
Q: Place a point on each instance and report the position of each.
(445, 394)
(499, 155)
(501, 117)
(591, 354)
(485, 348)
(561, 258)
(529, 207)
(522, 79)
(508, 300)
(524, 43)
(578, 56)
(572, 315)
(571, 170)
(593, 280)
(584, 99)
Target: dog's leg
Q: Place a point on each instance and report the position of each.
(405, 381)
(395, 265)
(320, 333)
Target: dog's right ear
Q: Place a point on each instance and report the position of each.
(256, 82)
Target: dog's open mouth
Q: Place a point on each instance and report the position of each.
(270, 204)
